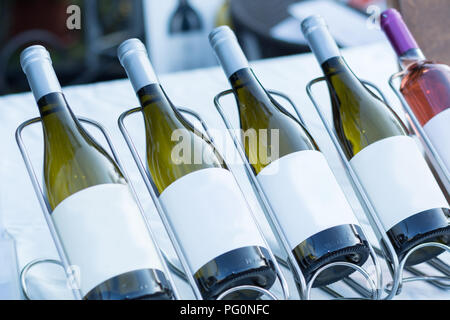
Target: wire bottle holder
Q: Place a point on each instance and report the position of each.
(186, 271)
(303, 287)
(438, 164)
(396, 267)
(64, 262)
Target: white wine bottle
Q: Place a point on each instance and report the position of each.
(387, 161)
(318, 221)
(95, 214)
(204, 204)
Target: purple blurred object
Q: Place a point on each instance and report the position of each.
(397, 32)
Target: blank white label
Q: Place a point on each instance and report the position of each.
(209, 215)
(438, 131)
(104, 234)
(397, 179)
(305, 195)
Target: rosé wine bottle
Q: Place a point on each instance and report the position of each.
(425, 85)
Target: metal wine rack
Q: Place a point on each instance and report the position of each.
(186, 273)
(433, 155)
(64, 262)
(304, 288)
(387, 251)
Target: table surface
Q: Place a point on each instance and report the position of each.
(194, 89)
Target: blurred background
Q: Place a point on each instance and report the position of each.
(175, 32)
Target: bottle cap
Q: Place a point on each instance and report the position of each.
(397, 32)
(37, 65)
(320, 41)
(33, 53)
(133, 57)
(227, 50)
(128, 47)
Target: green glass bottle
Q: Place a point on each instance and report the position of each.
(97, 219)
(312, 210)
(397, 179)
(205, 207)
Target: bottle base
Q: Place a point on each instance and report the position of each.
(428, 226)
(243, 266)
(146, 284)
(342, 243)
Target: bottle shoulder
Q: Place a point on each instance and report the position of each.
(361, 118)
(174, 146)
(425, 71)
(162, 117)
(69, 168)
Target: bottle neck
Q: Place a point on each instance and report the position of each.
(53, 107)
(156, 105)
(133, 57)
(328, 54)
(40, 74)
(244, 80)
(320, 40)
(337, 66)
(411, 56)
(57, 118)
(401, 38)
(153, 96)
(227, 50)
(342, 80)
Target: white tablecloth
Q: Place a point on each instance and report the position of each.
(194, 89)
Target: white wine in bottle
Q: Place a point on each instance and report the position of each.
(213, 223)
(310, 206)
(387, 161)
(97, 219)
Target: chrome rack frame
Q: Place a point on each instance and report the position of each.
(396, 267)
(64, 262)
(431, 152)
(187, 274)
(303, 287)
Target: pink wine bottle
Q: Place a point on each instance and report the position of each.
(425, 85)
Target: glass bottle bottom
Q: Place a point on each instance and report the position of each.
(343, 243)
(427, 226)
(145, 284)
(243, 266)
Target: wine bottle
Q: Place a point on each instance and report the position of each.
(96, 217)
(425, 85)
(185, 18)
(312, 210)
(223, 16)
(204, 205)
(186, 37)
(387, 161)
